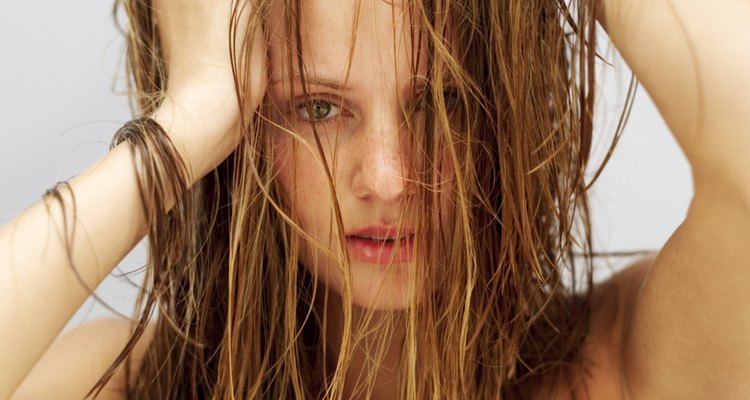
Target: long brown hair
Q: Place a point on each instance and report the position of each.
(236, 313)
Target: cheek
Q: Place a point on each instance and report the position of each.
(303, 185)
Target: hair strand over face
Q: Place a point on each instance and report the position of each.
(503, 142)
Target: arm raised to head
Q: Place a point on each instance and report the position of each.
(60, 248)
(693, 58)
(689, 332)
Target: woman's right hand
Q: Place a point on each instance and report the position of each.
(200, 109)
(59, 248)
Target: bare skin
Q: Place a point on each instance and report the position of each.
(200, 114)
(96, 344)
(680, 322)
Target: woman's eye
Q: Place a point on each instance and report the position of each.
(451, 99)
(317, 110)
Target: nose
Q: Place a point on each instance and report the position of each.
(381, 173)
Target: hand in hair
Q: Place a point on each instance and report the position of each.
(59, 249)
(201, 44)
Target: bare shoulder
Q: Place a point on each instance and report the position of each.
(612, 310)
(77, 359)
(613, 305)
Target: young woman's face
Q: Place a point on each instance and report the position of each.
(357, 93)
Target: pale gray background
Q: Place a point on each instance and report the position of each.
(62, 98)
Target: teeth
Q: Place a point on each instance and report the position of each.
(373, 237)
(384, 239)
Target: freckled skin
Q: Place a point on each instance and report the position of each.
(362, 132)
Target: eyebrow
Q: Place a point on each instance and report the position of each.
(316, 81)
(421, 81)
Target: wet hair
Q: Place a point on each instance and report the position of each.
(508, 109)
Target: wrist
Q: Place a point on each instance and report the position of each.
(203, 126)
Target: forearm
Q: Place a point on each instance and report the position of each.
(54, 254)
(693, 58)
(40, 263)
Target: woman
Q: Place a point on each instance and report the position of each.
(381, 204)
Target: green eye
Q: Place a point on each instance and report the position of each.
(320, 109)
(451, 99)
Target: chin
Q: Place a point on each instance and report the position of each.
(387, 298)
(374, 287)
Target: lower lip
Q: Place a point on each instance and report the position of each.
(379, 252)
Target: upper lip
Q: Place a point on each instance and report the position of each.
(382, 231)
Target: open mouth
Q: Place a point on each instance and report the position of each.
(383, 239)
(381, 250)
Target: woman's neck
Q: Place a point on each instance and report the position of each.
(375, 342)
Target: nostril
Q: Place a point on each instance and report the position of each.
(380, 171)
(382, 180)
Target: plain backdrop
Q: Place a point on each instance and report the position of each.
(62, 97)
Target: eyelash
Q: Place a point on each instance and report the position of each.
(301, 108)
(451, 98)
(450, 95)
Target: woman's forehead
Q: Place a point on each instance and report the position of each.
(357, 41)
